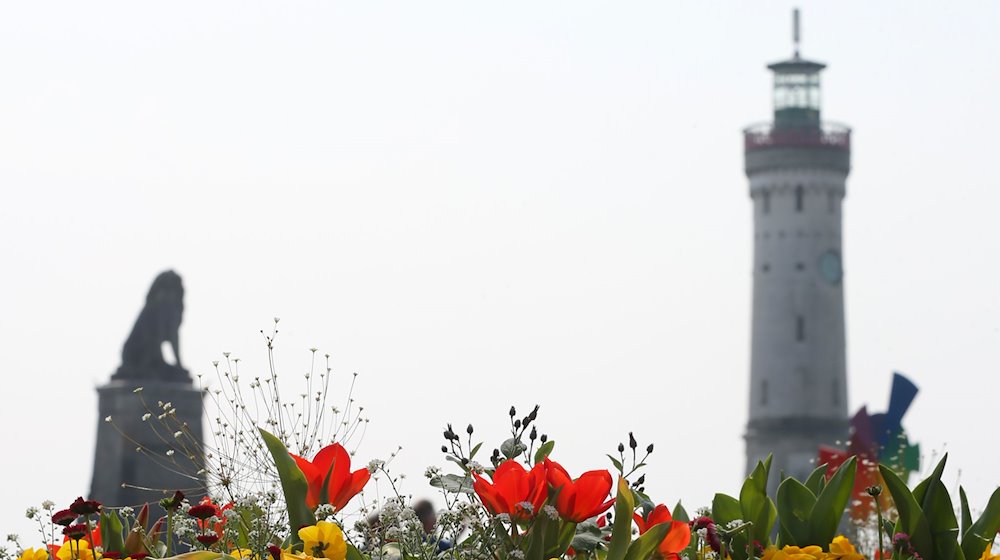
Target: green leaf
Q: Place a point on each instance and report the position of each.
(293, 484)
(588, 536)
(725, 508)
(981, 532)
(111, 531)
(621, 535)
(453, 483)
(616, 463)
(966, 512)
(831, 503)
(940, 515)
(795, 510)
(643, 547)
(816, 480)
(472, 454)
(353, 553)
(911, 517)
(544, 450)
(680, 514)
(756, 505)
(512, 448)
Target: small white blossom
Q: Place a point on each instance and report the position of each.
(31, 512)
(170, 453)
(107, 418)
(375, 464)
(146, 416)
(47, 505)
(178, 434)
(137, 390)
(551, 512)
(432, 472)
(517, 554)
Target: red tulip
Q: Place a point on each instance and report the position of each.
(583, 498)
(512, 487)
(344, 484)
(676, 539)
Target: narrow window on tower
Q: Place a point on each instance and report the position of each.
(836, 393)
(831, 201)
(765, 202)
(800, 328)
(799, 195)
(763, 392)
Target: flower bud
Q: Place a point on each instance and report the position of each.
(621, 448)
(513, 412)
(631, 441)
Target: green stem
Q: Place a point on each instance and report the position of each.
(169, 538)
(878, 509)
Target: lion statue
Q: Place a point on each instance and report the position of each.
(158, 322)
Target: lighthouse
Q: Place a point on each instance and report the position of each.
(797, 166)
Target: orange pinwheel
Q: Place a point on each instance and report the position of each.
(332, 465)
(677, 537)
(512, 488)
(580, 499)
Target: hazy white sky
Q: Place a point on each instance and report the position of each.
(478, 204)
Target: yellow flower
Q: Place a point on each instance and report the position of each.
(811, 552)
(242, 553)
(75, 550)
(34, 554)
(842, 549)
(769, 553)
(988, 555)
(324, 540)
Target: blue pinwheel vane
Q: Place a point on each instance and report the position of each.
(877, 438)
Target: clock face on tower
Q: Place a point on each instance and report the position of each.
(830, 267)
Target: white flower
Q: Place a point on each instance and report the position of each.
(31, 512)
(107, 418)
(137, 390)
(170, 453)
(517, 554)
(146, 416)
(178, 434)
(432, 472)
(375, 464)
(550, 511)
(47, 505)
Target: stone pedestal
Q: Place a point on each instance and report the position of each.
(123, 476)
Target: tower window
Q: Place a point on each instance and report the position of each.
(800, 328)
(835, 393)
(763, 392)
(800, 266)
(831, 201)
(765, 202)
(799, 196)
(765, 267)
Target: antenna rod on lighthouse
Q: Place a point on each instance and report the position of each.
(795, 30)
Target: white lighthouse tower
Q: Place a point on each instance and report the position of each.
(797, 166)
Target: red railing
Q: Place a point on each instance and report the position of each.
(828, 135)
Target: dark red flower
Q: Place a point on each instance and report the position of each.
(174, 502)
(583, 498)
(208, 539)
(85, 507)
(111, 554)
(139, 555)
(333, 461)
(677, 537)
(202, 511)
(512, 487)
(75, 532)
(64, 517)
(275, 551)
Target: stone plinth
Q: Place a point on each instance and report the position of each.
(148, 473)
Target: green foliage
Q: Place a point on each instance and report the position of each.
(753, 507)
(806, 518)
(976, 536)
(293, 485)
(927, 515)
